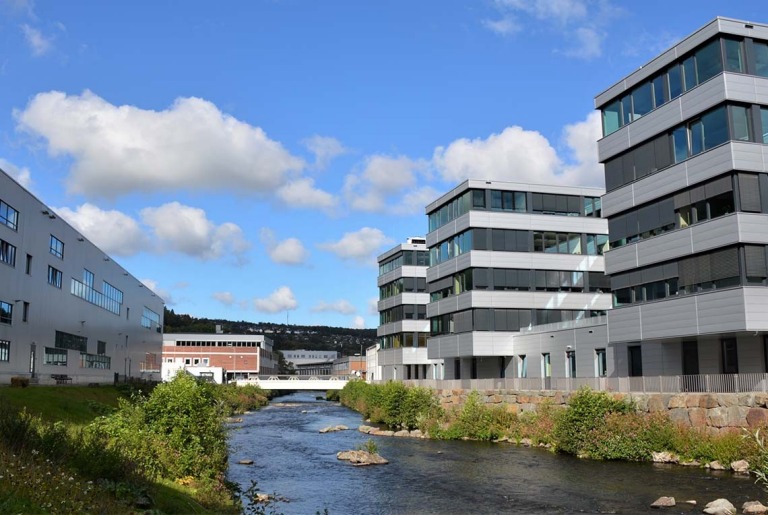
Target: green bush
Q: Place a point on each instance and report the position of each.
(239, 399)
(585, 413)
(392, 403)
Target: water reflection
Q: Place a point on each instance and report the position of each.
(429, 477)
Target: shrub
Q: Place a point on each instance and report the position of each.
(19, 382)
(477, 421)
(629, 436)
(585, 413)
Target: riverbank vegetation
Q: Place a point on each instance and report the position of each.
(119, 449)
(594, 425)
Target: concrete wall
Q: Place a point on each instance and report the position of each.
(709, 411)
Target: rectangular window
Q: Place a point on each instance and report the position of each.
(659, 92)
(734, 56)
(8, 216)
(764, 124)
(101, 347)
(642, 100)
(6, 313)
(635, 360)
(56, 357)
(71, 341)
(675, 81)
(730, 360)
(95, 361)
(611, 118)
(25, 312)
(601, 363)
(522, 366)
(54, 277)
(28, 266)
(88, 278)
(740, 117)
(708, 61)
(546, 365)
(761, 58)
(57, 247)
(570, 358)
(7, 253)
(5, 350)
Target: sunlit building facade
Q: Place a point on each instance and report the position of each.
(403, 325)
(505, 259)
(68, 312)
(685, 153)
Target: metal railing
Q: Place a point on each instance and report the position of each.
(701, 383)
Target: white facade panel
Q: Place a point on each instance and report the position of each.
(755, 308)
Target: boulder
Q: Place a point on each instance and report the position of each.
(692, 463)
(714, 465)
(382, 432)
(366, 429)
(720, 507)
(664, 457)
(757, 417)
(663, 502)
(402, 433)
(361, 458)
(245, 462)
(416, 433)
(526, 442)
(332, 429)
(740, 467)
(753, 508)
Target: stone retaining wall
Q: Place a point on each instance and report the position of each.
(714, 411)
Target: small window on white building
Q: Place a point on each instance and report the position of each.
(169, 360)
(206, 362)
(196, 361)
(187, 361)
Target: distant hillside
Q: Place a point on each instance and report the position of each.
(286, 337)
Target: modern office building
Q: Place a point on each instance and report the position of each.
(508, 257)
(403, 324)
(311, 362)
(68, 312)
(686, 171)
(240, 356)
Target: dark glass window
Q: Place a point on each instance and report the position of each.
(734, 56)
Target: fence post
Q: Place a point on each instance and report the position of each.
(736, 382)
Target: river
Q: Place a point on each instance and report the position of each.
(291, 458)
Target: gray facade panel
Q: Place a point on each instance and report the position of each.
(756, 308)
(659, 184)
(624, 324)
(721, 312)
(753, 228)
(666, 319)
(620, 259)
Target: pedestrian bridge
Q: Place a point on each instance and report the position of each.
(297, 382)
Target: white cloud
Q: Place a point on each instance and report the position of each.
(122, 149)
(187, 230)
(301, 193)
(21, 175)
(160, 292)
(340, 306)
(521, 155)
(358, 322)
(578, 24)
(224, 297)
(382, 179)
(281, 299)
(287, 252)
(359, 245)
(112, 231)
(581, 138)
(373, 306)
(514, 155)
(38, 43)
(414, 201)
(325, 150)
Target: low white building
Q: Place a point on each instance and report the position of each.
(68, 312)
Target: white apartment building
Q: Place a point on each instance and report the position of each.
(68, 312)
(403, 324)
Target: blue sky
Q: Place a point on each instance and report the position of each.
(249, 159)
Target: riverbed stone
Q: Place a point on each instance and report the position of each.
(714, 465)
(361, 458)
(663, 502)
(740, 467)
(402, 433)
(245, 462)
(416, 433)
(664, 457)
(382, 432)
(720, 507)
(333, 429)
(366, 429)
(753, 508)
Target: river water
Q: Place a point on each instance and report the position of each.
(291, 458)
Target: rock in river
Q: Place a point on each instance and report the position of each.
(720, 507)
(663, 502)
(360, 458)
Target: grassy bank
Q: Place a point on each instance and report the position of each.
(593, 425)
(119, 450)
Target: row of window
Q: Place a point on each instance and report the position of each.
(110, 300)
(712, 270)
(721, 54)
(206, 343)
(398, 340)
(403, 312)
(711, 129)
(514, 201)
(489, 319)
(149, 317)
(511, 279)
(600, 360)
(402, 284)
(513, 240)
(59, 357)
(405, 258)
(715, 198)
